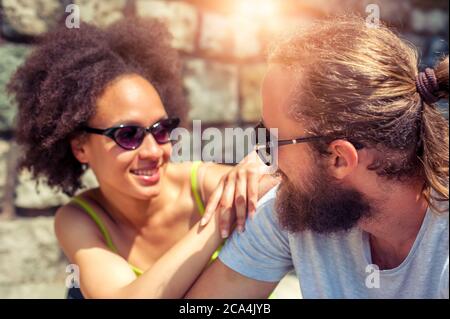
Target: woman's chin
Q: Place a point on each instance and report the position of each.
(151, 192)
(146, 192)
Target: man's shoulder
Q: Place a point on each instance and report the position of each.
(265, 209)
(266, 217)
(439, 217)
(269, 197)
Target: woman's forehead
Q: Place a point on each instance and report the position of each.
(130, 99)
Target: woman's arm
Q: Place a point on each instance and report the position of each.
(104, 274)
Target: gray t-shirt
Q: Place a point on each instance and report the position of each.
(339, 265)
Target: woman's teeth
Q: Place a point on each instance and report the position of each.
(144, 172)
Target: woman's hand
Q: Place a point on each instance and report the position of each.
(238, 192)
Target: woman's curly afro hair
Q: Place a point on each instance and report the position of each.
(58, 85)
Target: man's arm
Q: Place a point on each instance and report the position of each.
(221, 282)
(252, 263)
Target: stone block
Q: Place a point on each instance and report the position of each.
(11, 57)
(212, 90)
(101, 13)
(30, 18)
(250, 89)
(180, 17)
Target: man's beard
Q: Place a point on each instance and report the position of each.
(323, 206)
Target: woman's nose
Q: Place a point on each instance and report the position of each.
(150, 149)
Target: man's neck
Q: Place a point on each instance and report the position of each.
(395, 224)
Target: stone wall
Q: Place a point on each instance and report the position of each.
(223, 53)
(223, 56)
(31, 263)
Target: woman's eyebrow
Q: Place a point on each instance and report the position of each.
(137, 123)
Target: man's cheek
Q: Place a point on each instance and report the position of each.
(285, 163)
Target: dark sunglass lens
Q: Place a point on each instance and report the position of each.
(161, 132)
(129, 137)
(265, 155)
(262, 140)
(262, 134)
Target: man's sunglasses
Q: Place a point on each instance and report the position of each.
(267, 143)
(130, 137)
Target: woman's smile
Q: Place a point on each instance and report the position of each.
(147, 176)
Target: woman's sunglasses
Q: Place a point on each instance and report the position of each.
(267, 143)
(130, 137)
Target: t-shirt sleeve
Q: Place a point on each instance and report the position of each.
(262, 251)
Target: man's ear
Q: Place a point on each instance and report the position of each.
(343, 159)
(78, 147)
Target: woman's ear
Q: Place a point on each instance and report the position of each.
(78, 146)
(343, 159)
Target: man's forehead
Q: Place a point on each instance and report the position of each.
(277, 89)
(279, 76)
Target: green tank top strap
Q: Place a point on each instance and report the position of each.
(98, 221)
(198, 199)
(195, 187)
(101, 226)
(136, 270)
(91, 212)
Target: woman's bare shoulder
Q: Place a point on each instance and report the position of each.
(75, 228)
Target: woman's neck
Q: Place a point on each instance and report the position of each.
(125, 210)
